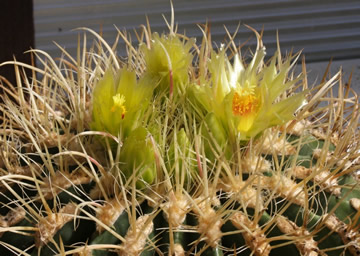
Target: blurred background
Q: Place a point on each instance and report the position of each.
(322, 29)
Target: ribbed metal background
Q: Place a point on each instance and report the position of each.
(322, 28)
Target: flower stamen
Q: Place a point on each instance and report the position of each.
(243, 105)
(119, 102)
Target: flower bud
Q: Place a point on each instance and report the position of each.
(137, 157)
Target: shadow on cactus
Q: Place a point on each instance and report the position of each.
(178, 149)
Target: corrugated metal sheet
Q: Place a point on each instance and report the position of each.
(323, 28)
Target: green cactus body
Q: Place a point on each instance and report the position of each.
(177, 150)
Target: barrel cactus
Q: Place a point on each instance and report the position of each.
(178, 149)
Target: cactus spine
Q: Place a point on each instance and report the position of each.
(178, 149)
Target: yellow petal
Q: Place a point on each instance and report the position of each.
(246, 122)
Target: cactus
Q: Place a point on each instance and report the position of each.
(178, 149)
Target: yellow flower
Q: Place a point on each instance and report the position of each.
(254, 103)
(119, 101)
(247, 99)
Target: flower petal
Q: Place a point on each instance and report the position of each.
(246, 122)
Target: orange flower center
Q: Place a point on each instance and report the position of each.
(243, 105)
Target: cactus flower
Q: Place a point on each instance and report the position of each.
(168, 60)
(248, 100)
(118, 102)
(255, 101)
